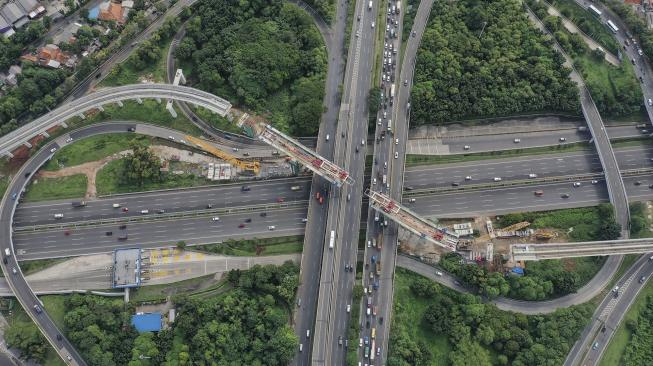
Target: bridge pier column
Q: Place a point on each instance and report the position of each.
(139, 101)
(119, 103)
(100, 108)
(63, 124)
(26, 143)
(9, 155)
(45, 134)
(81, 115)
(171, 109)
(158, 100)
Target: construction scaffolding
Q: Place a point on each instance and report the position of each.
(411, 221)
(304, 155)
(208, 147)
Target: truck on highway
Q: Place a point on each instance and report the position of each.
(392, 91)
(398, 7)
(332, 241)
(389, 126)
(369, 5)
(372, 352)
(385, 178)
(379, 243)
(378, 269)
(122, 237)
(296, 188)
(78, 204)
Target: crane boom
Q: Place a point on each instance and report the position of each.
(206, 146)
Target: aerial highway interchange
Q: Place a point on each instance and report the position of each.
(271, 208)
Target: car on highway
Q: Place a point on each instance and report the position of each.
(215, 218)
(145, 212)
(516, 141)
(122, 227)
(271, 227)
(649, 102)
(38, 309)
(240, 226)
(638, 183)
(53, 149)
(69, 140)
(396, 155)
(532, 175)
(466, 147)
(373, 24)
(576, 184)
(108, 233)
(642, 279)
(58, 216)
(125, 209)
(308, 333)
(280, 199)
(538, 193)
(411, 200)
(367, 340)
(13, 270)
(304, 220)
(360, 342)
(563, 139)
(263, 214)
(497, 179)
(245, 188)
(595, 346)
(594, 181)
(564, 195)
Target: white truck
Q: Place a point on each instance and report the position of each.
(369, 5)
(392, 91)
(332, 241)
(390, 126)
(398, 6)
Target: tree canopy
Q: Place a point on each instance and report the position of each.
(265, 55)
(484, 58)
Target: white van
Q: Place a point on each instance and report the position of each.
(58, 216)
(145, 212)
(271, 227)
(116, 205)
(7, 252)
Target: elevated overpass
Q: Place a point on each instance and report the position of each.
(536, 252)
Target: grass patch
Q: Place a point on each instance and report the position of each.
(43, 189)
(351, 7)
(622, 337)
(410, 10)
(92, 149)
(588, 23)
(408, 313)
(253, 247)
(125, 73)
(56, 308)
(29, 267)
(150, 111)
(4, 183)
(215, 120)
(109, 181)
(157, 293)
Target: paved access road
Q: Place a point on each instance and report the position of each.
(506, 141)
(607, 317)
(17, 283)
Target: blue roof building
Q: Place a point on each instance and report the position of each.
(150, 322)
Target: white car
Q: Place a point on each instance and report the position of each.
(396, 141)
(650, 102)
(595, 181)
(467, 147)
(360, 342)
(53, 149)
(145, 212)
(348, 308)
(469, 177)
(271, 227)
(497, 179)
(563, 139)
(576, 184)
(412, 200)
(69, 140)
(372, 24)
(373, 181)
(369, 243)
(171, 138)
(516, 141)
(215, 218)
(532, 175)
(116, 205)
(304, 220)
(396, 155)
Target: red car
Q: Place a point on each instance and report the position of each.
(321, 200)
(241, 226)
(280, 199)
(317, 195)
(125, 209)
(66, 233)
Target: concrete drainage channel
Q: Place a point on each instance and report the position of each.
(163, 217)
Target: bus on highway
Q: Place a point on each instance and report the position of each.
(333, 239)
(373, 334)
(612, 27)
(594, 10)
(372, 351)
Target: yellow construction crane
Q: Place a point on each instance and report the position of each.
(513, 227)
(206, 146)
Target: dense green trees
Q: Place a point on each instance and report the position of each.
(480, 334)
(266, 55)
(141, 165)
(27, 338)
(640, 348)
(509, 69)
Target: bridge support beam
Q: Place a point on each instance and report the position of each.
(9, 155)
(81, 115)
(45, 134)
(158, 100)
(179, 77)
(63, 124)
(139, 100)
(119, 103)
(26, 143)
(171, 109)
(101, 108)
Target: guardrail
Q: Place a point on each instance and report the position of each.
(523, 182)
(161, 217)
